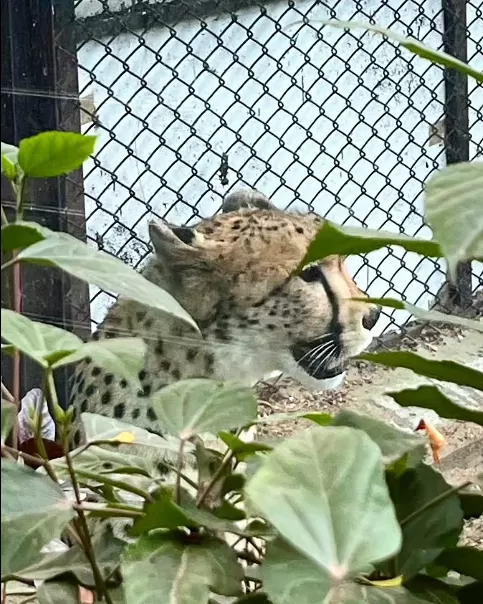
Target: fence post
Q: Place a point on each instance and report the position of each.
(459, 292)
(38, 73)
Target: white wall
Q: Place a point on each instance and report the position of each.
(358, 164)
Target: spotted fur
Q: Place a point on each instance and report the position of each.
(234, 274)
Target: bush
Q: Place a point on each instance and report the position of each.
(346, 511)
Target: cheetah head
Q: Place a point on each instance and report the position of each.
(234, 275)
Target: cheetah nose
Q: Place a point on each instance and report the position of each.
(370, 319)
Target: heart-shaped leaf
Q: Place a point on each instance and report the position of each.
(324, 491)
(430, 515)
(29, 522)
(471, 503)
(467, 561)
(18, 235)
(415, 46)
(446, 371)
(183, 574)
(44, 343)
(10, 152)
(199, 405)
(100, 428)
(107, 550)
(432, 590)
(163, 512)
(9, 169)
(240, 448)
(98, 268)
(54, 153)
(453, 209)
(332, 239)
(123, 357)
(106, 461)
(290, 577)
(430, 397)
(394, 443)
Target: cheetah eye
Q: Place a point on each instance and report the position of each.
(311, 273)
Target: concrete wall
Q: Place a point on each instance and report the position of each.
(340, 126)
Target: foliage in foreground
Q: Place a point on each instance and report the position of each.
(346, 511)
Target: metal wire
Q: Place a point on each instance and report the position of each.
(191, 98)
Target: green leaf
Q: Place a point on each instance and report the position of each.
(432, 590)
(9, 417)
(29, 522)
(10, 152)
(430, 515)
(393, 442)
(163, 512)
(466, 561)
(100, 428)
(430, 397)
(322, 419)
(416, 47)
(324, 491)
(255, 597)
(471, 503)
(57, 591)
(425, 315)
(240, 448)
(471, 593)
(8, 169)
(183, 574)
(19, 235)
(54, 153)
(105, 461)
(199, 405)
(123, 357)
(453, 208)
(98, 268)
(44, 343)
(107, 551)
(289, 577)
(343, 240)
(446, 371)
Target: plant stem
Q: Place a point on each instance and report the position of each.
(118, 484)
(109, 512)
(179, 467)
(81, 522)
(7, 395)
(4, 218)
(21, 197)
(9, 263)
(37, 461)
(43, 454)
(434, 502)
(188, 480)
(216, 475)
(82, 527)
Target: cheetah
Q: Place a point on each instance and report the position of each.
(233, 274)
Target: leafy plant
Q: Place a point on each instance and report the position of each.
(346, 511)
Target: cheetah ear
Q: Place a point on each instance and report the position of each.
(246, 199)
(168, 241)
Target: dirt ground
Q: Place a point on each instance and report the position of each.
(365, 392)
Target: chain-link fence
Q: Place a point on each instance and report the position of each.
(193, 98)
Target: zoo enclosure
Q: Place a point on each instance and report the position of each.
(192, 98)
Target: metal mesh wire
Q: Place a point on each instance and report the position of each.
(193, 98)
